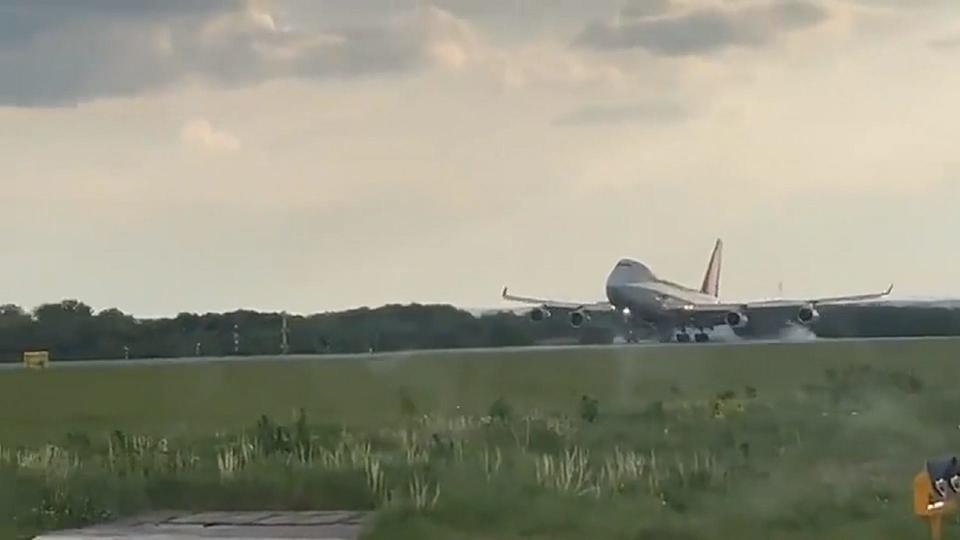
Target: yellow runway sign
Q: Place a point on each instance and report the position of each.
(36, 359)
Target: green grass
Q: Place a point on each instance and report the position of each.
(826, 445)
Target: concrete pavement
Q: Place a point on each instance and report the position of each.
(336, 525)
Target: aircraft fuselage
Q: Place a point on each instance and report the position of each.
(632, 286)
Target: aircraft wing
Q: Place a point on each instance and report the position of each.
(774, 304)
(558, 304)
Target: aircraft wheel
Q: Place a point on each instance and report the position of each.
(701, 337)
(683, 338)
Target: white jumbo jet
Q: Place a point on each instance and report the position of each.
(672, 309)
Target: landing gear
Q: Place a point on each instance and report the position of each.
(681, 333)
(699, 337)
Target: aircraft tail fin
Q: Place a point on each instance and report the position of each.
(711, 280)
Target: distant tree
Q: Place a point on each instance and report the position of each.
(66, 329)
(12, 310)
(65, 310)
(189, 322)
(16, 332)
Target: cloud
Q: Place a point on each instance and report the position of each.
(704, 30)
(64, 53)
(654, 112)
(904, 5)
(198, 133)
(645, 8)
(453, 44)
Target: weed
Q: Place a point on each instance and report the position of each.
(423, 496)
(589, 409)
(568, 473)
(500, 410)
(623, 469)
(491, 462)
(726, 395)
(373, 472)
(59, 507)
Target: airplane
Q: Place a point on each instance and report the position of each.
(673, 309)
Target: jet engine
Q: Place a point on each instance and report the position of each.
(808, 314)
(577, 318)
(539, 314)
(736, 319)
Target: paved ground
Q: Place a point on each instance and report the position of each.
(75, 364)
(225, 526)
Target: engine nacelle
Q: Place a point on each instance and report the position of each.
(808, 315)
(539, 314)
(736, 319)
(577, 318)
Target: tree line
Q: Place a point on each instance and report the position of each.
(72, 330)
(882, 320)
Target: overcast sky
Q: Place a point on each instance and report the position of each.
(317, 155)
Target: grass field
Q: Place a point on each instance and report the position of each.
(760, 441)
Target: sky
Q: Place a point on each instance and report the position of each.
(318, 155)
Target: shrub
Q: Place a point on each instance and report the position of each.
(500, 410)
(589, 409)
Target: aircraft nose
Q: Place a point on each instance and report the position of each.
(614, 295)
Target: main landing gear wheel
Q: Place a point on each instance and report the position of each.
(700, 336)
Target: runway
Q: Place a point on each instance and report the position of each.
(224, 526)
(391, 355)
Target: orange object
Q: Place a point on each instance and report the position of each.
(927, 503)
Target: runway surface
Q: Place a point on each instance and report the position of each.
(224, 526)
(138, 362)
